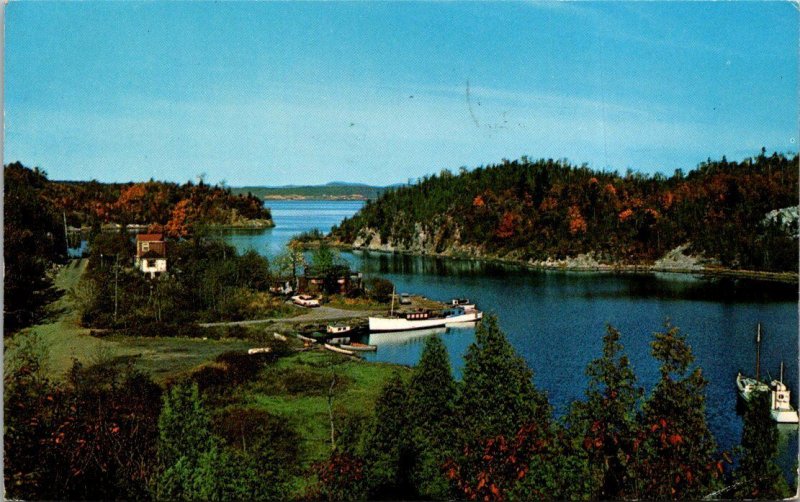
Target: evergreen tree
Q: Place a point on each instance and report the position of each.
(196, 465)
(605, 424)
(431, 411)
(675, 457)
(758, 475)
(33, 239)
(184, 425)
(387, 446)
(498, 396)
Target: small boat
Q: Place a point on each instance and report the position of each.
(279, 337)
(780, 402)
(360, 347)
(338, 350)
(338, 329)
(748, 386)
(259, 350)
(464, 303)
(306, 339)
(307, 301)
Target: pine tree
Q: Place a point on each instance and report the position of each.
(758, 475)
(605, 424)
(498, 396)
(431, 411)
(675, 454)
(387, 447)
(184, 425)
(196, 465)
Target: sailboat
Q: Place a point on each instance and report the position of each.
(748, 386)
(780, 402)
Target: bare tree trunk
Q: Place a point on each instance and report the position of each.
(330, 412)
(116, 281)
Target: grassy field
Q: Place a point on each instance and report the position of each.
(66, 340)
(296, 388)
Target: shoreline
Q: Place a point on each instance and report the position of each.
(139, 227)
(619, 268)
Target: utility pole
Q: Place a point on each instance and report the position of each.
(66, 233)
(116, 284)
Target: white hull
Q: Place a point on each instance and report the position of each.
(400, 324)
(785, 416)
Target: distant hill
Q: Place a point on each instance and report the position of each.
(337, 190)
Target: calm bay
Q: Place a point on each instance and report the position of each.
(556, 320)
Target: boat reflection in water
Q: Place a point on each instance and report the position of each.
(403, 337)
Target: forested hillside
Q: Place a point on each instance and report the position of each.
(176, 207)
(537, 210)
(35, 208)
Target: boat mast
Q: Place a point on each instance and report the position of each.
(758, 352)
(391, 310)
(781, 379)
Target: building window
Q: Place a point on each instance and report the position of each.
(145, 246)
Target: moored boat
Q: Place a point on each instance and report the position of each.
(748, 386)
(360, 347)
(424, 319)
(780, 402)
(338, 329)
(339, 350)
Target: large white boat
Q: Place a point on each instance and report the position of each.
(780, 402)
(424, 319)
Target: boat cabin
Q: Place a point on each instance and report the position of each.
(415, 316)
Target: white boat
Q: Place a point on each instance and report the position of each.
(338, 329)
(423, 320)
(338, 350)
(464, 303)
(359, 347)
(748, 386)
(305, 301)
(780, 402)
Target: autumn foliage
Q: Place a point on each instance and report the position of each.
(534, 210)
(175, 207)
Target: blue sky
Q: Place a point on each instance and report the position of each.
(279, 93)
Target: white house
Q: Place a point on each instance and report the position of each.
(151, 254)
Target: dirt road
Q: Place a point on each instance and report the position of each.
(316, 315)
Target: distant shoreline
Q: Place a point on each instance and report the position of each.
(327, 198)
(139, 227)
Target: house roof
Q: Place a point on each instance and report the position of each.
(149, 237)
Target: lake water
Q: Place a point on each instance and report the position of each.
(556, 320)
